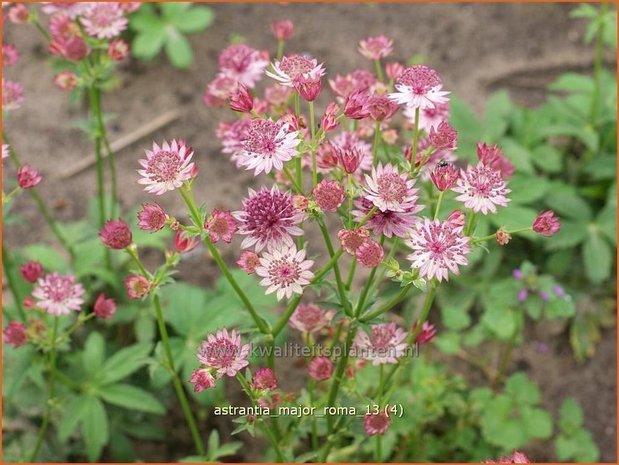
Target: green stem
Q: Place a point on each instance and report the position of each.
(366, 290)
(470, 222)
(388, 306)
(597, 67)
(415, 141)
(367, 217)
(351, 273)
(7, 264)
(133, 253)
(336, 269)
(95, 110)
(438, 204)
(110, 154)
(191, 204)
(493, 236)
(313, 134)
(375, 143)
(339, 372)
(379, 70)
(290, 176)
(280, 49)
(178, 387)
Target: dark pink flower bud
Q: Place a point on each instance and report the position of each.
(118, 50)
(320, 368)
(376, 424)
(28, 177)
(308, 88)
(75, 49)
(184, 243)
(355, 107)
(137, 286)
(221, 226)
(242, 100)
(427, 333)
(329, 195)
(264, 379)
(349, 157)
(370, 253)
(151, 217)
(444, 176)
(394, 70)
(352, 239)
(31, 271)
(329, 121)
(202, 379)
(116, 234)
(248, 261)
(104, 308)
(457, 219)
(493, 156)
(444, 137)
(381, 107)
(282, 30)
(15, 334)
(547, 223)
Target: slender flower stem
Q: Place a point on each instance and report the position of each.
(291, 177)
(438, 204)
(367, 217)
(470, 223)
(191, 204)
(133, 253)
(51, 366)
(7, 264)
(313, 134)
(365, 292)
(351, 273)
(379, 71)
(415, 141)
(280, 49)
(95, 110)
(375, 143)
(350, 194)
(336, 269)
(493, 236)
(388, 306)
(178, 387)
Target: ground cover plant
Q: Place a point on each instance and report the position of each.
(388, 233)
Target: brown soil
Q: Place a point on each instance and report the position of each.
(475, 47)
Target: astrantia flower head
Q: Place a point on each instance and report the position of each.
(307, 87)
(231, 136)
(12, 95)
(444, 137)
(356, 106)
(202, 379)
(457, 219)
(493, 156)
(116, 234)
(388, 223)
(419, 87)
(268, 144)
(547, 223)
(58, 294)
(310, 318)
(352, 239)
(349, 142)
(243, 63)
(482, 189)
(104, 308)
(292, 67)
(104, 20)
(224, 352)
(15, 334)
(10, 55)
(427, 333)
(320, 368)
(376, 424)
(329, 195)
(248, 261)
(31, 271)
(385, 344)
(375, 48)
(71, 9)
(118, 50)
(389, 190)
(502, 237)
(137, 286)
(166, 167)
(66, 80)
(284, 270)
(242, 100)
(184, 243)
(370, 254)
(380, 107)
(516, 457)
(283, 29)
(28, 177)
(264, 380)
(220, 90)
(394, 70)
(429, 117)
(151, 217)
(444, 176)
(221, 226)
(268, 217)
(438, 248)
(19, 14)
(329, 121)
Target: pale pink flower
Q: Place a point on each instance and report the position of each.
(71, 9)
(248, 261)
(116, 234)
(375, 48)
(12, 95)
(329, 120)
(220, 226)
(277, 95)
(444, 176)
(385, 344)
(320, 368)
(242, 100)
(376, 424)
(15, 334)
(438, 248)
(343, 86)
(310, 318)
(137, 286)
(130, 7)
(356, 106)
(380, 107)
(389, 190)
(264, 380)
(388, 223)
(370, 254)
(104, 308)
(547, 223)
(31, 271)
(58, 294)
(202, 379)
(118, 50)
(224, 352)
(285, 271)
(268, 144)
(329, 195)
(231, 136)
(394, 70)
(66, 80)
(429, 117)
(104, 20)
(457, 219)
(10, 55)
(243, 63)
(5, 151)
(166, 167)
(493, 156)
(283, 29)
(293, 66)
(268, 217)
(350, 141)
(444, 137)
(419, 87)
(219, 91)
(151, 217)
(19, 14)
(352, 239)
(28, 177)
(516, 457)
(481, 188)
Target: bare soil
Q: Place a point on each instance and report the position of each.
(476, 48)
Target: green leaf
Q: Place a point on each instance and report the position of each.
(584, 335)
(514, 216)
(94, 428)
(565, 201)
(533, 305)
(73, 413)
(573, 82)
(195, 20)
(170, 9)
(570, 415)
(578, 447)
(455, 318)
(607, 222)
(124, 362)
(47, 256)
(448, 342)
(132, 398)
(522, 390)
(497, 111)
(569, 235)
(547, 158)
(94, 353)
(148, 44)
(586, 134)
(178, 49)
(518, 154)
(527, 189)
(501, 321)
(144, 22)
(598, 258)
(538, 422)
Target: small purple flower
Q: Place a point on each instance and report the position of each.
(522, 295)
(517, 274)
(559, 291)
(544, 296)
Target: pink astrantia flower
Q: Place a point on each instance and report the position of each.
(116, 234)
(375, 48)
(12, 95)
(69, 9)
(482, 189)
(389, 190)
(516, 457)
(264, 380)
(283, 29)
(242, 100)
(242, 63)
(268, 144)
(427, 333)
(349, 142)
(58, 294)
(118, 50)
(438, 247)
(329, 195)
(352, 239)
(376, 424)
(15, 334)
(356, 106)
(385, 344)
(28, 177)
(329, 121)
(444, 137)
(419, 87)
(224, 352)
(151, 217)
(310, 318)
(202, 379)
(493, 156)
(104, 20)
(343, 86)
(547, 223)
(292, 67)
(268, 217)
(166, 167)
(320, 368)
(370, 254)
(19, 14)
(248, 261)
(380, 107)
(221, 226)
(231, 136)
(66, 80)
(444, 176)
(104, 308)
(308, 88)
(502, 237)
(137, 286)
(284, 270)
(31, 271)
(184, 243)
(388, 223)
(394, 70)
(10, 55)
(429, 117)
(220, 90)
